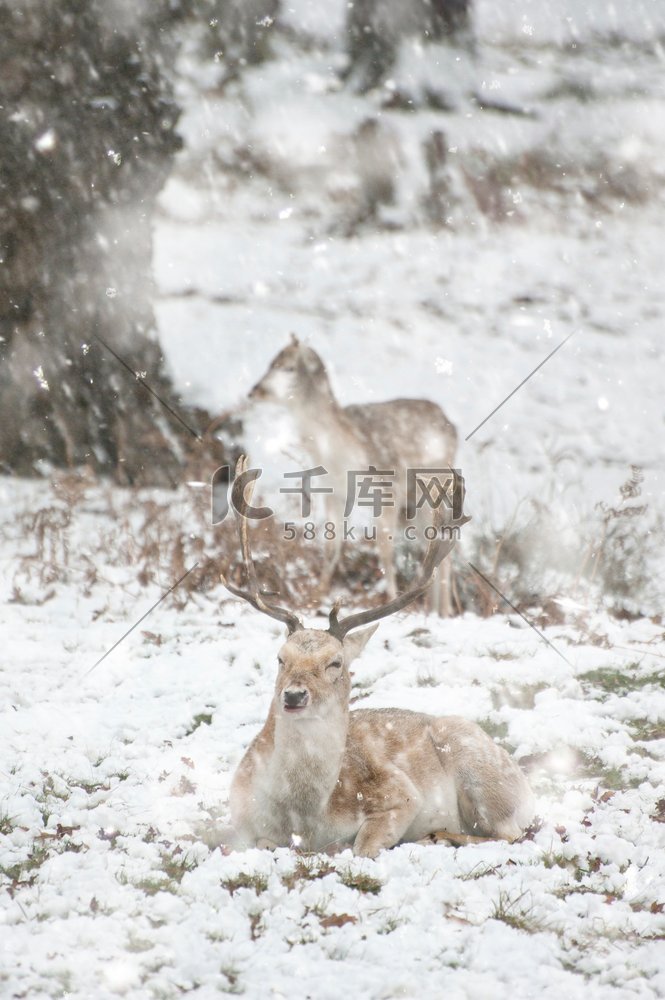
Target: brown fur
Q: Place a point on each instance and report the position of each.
(371, 777)
(395, 435)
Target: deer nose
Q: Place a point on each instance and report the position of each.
(295, 698)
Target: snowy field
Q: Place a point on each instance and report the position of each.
(114, 787)
(114, 780)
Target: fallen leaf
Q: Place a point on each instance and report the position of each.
(659, 815)
(338, 920)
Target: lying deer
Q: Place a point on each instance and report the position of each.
(398, 434)
(318, 774)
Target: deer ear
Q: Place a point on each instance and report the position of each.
(356, 642)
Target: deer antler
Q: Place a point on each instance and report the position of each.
(437, 551)
(253, 593)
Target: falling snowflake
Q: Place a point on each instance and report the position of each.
(46, 142)
(443, 367)
(41, 378)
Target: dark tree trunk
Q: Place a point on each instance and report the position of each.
(375, 29)
(87, 136)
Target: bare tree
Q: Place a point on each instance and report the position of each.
(87, 136)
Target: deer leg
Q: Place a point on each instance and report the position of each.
(493, 796)
(332, 550)
(444, 574)
(386, 826)
(500, 809)
(382, 830)
(438, 597)
(386, 545)
(458, 839)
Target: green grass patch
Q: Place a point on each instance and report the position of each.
(614, 778)
(575, 890)
(202, 719)
(176, 865)
(500, 655)
(307, 870)
(516, 696)
(647, 732)
(25, 872)
(152, 884)
(497, 731)
(6, 824)
(246, 880)
(612, 681)
(511, 912)
(90, 787)
(360, 882)
(553, 859)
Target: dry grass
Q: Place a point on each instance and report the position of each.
(533, 560)
(154, 537)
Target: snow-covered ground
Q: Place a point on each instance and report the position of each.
(113, 784)
(114, 781)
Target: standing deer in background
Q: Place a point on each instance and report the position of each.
(397, 435)
(318, 774)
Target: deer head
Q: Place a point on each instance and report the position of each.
(295, 385)
(313, 678)
(296, 374)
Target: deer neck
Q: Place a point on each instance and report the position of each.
(318, 400)
(308, 755)
(330, 435)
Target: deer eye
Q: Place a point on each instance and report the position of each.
(334, 665)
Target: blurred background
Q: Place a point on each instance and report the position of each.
(433, 195)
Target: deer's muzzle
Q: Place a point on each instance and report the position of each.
(295, 699)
